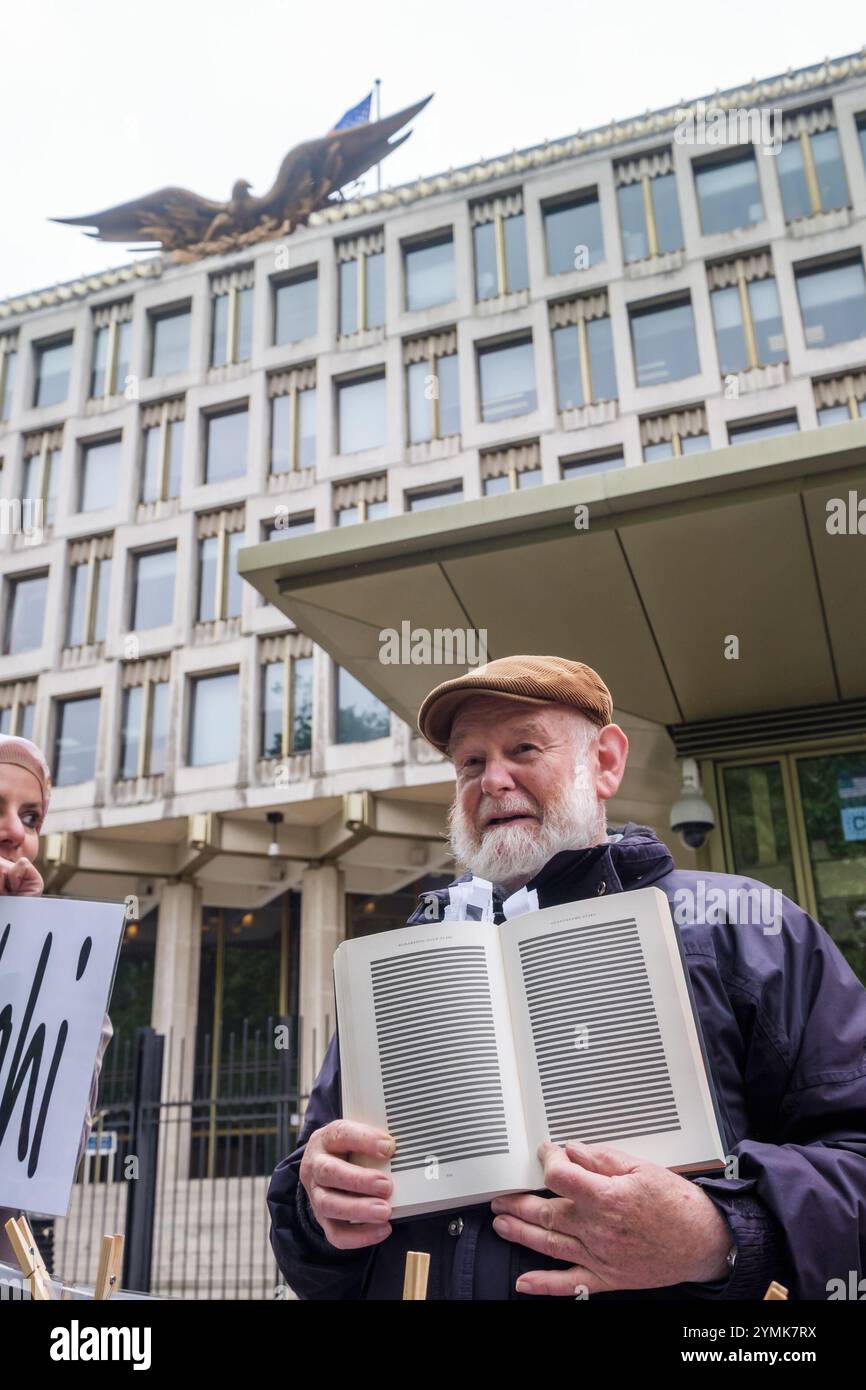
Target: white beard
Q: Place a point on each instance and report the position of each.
(574, 819)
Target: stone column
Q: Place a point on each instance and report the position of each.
(323, 927)
(175, 1013)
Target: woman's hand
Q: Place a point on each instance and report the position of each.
(20, 878)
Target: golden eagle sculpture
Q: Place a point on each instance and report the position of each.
(311, 175)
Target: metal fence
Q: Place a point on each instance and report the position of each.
(185, 1177)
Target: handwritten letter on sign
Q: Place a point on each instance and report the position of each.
(57, 961)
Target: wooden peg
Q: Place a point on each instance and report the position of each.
(110, 1262)
(775, 1290)
(416, 1275)
(29, 1259)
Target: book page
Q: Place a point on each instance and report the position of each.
(427, 1053)
(606, 1040)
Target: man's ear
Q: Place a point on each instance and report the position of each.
(612, 752)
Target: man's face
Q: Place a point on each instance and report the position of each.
(526, 786)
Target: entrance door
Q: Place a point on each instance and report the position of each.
(798, 823)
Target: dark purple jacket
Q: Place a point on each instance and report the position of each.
(784, 1022)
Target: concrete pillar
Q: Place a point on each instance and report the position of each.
(175, 1013)
(323, 927)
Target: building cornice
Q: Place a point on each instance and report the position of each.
(805, 82)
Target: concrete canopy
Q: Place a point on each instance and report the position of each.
(675, 558)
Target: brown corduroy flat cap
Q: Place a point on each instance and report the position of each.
(538, 680)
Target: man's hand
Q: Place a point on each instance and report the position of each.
(342, 1192)
(20, 878)
(622, 1223)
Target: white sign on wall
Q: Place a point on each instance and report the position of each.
(57, 963)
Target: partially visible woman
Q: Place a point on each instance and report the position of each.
(25, 787)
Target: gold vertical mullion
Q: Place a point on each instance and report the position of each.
(803, 874)
(362, 291)
(44, 467)
(16, 710)
(746, 315)
(810, 172)
(677, 443)
(90, 600)
(232, 326)
(501, 258)
(852, 399)
(649, 216)
(436, 420)
(221, 569)
(111, 358)
(163, 453)
(287, 702)
(145, 728)
(583, 354)
(295, 429)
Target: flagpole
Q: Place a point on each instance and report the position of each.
(377, 82)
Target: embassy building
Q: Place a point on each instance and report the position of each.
(603, 398)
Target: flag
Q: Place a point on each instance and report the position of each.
(356, 115)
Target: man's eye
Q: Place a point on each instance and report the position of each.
(524, 747)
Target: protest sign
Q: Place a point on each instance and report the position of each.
(57, 963)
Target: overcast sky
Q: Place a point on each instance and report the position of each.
(104, 101)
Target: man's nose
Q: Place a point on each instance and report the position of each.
(497, 777)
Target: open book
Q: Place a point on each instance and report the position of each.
(472, 1043)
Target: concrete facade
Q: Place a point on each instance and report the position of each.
(197, 836)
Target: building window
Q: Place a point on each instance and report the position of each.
(361, 414)
(811, 172)
(25, 612)
(225, 444)
(365, 499)
(89, 584)
(832, 302)
(41, 475)
(512, 469)
(75, 741)
(53, 364)
(591, 463)
(144, 721)
(762, 429)
(729, 194)
(293, 419)
(360, 715)
(162, 450)
(301, 524)
(572, 233)
(746, 313)
(169, 340)
(214, 723)
(231, 317)
(8, 365)
(153, 587)
(18, 708)
(664, 342)
(112, 339)
(434, 497)
(841, 399)
(672, 436)
(861, 132)
(361, 271)
(296, 308)
(499, 243)
(432, 386)
(428, 271)
(286, 723)
(220, 587)
(649, 212)
(100, 467)
(507, 380)
(583, 351)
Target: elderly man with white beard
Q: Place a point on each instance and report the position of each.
(536, 758)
